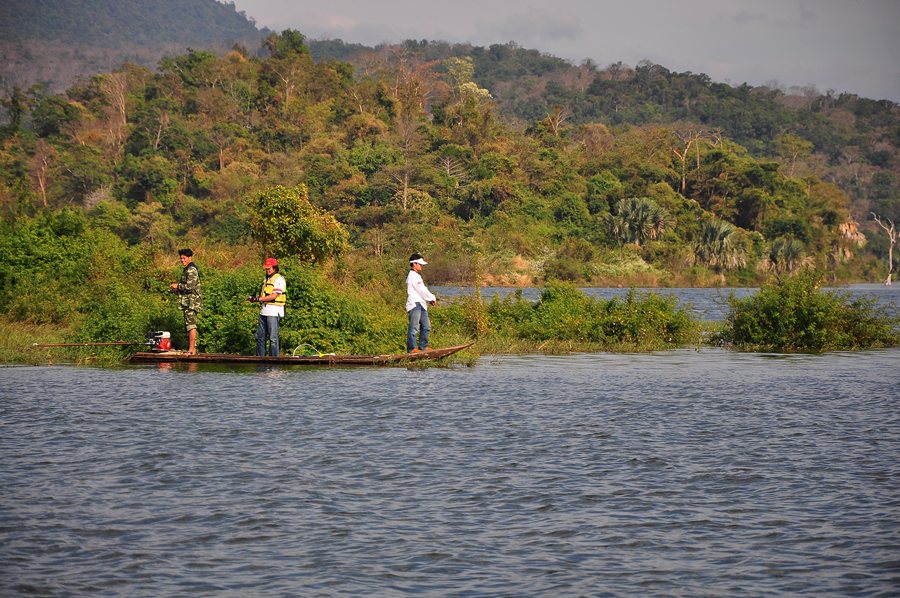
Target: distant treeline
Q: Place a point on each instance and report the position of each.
(55, 43)
(409, 150)
(127, 23)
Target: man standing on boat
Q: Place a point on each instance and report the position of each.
(418, 297)
(190, 296)
(273, 297)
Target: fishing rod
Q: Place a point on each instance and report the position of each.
(158, 341)
(106, 344)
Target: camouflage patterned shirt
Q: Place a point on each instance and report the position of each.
(189, 288)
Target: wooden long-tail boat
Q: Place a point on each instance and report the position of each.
(318, 359)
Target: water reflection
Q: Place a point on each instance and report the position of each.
(176, 366)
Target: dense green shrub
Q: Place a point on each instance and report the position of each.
(332, 321)
(795, 316)
(120, 311)
(57, 269)
(635, 322)
(227, 321)
(286, 223)
(317, 315)
(465, 318)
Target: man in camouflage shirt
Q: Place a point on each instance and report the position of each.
(191, 299)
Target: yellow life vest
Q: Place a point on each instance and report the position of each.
(268, 287)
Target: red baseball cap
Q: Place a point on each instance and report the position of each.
(270, 262)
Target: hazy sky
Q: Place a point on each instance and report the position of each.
(840, 45)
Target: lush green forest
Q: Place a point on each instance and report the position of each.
(843, 139)
(502, 165)
(410, 151)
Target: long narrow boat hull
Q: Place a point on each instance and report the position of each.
(389, 359)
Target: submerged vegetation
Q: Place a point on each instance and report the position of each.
(565, 319)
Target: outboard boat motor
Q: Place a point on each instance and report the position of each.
(160, 341)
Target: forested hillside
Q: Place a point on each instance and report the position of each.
(847, 140)
(408, 150)
(844, 139)
(522, 157)
(55, 42)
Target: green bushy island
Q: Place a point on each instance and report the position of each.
(64, 280)
(795, 316)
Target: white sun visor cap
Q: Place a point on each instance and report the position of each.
(419, 261)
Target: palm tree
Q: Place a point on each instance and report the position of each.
(637, 220)
(786, 255)
(718, 246)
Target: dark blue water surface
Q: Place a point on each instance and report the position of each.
(681, 473)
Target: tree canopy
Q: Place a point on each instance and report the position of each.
(429, 146)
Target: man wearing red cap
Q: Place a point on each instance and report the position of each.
(273, 297)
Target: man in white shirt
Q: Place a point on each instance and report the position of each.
(272, 296)
(418, 297)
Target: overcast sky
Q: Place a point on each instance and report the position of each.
(839, 45)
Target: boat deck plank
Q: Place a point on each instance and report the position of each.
(386, 359)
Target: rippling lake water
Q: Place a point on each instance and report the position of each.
(681, 473)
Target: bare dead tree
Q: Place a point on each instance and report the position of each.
(556, 118)
(453, 168)
(376, 239)
(688, 137)
(163, 124)
(891, 232)
(40, 168)
(354, 93)
(114, 87)
(290, 69)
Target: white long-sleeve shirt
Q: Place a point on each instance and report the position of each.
(416, 291)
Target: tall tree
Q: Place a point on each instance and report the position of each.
(689, 137)
(411, 85)
(285, 223)
(791, 149)
(40, 168)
